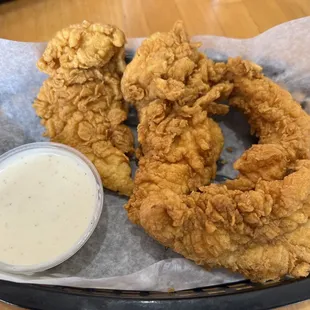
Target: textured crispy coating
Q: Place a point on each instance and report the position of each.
(179, 152)
(81, 103)
(174, 86)
(262, 233)
(282, 126)
(82, 47)
(258, 224)
(168, 66)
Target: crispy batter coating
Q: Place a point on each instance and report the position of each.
(258, 224)
(169, 67)
(262, 233)
(173, 87)
(81, 103)
(282, 126)
(84, 46)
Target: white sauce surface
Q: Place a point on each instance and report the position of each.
(47, 200)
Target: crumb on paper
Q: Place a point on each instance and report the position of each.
(229, 149)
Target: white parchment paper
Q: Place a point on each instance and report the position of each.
(120, 255)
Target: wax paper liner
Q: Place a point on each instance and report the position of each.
(120, 255)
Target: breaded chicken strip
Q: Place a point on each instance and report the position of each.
(81, 103)
(258, 224)
(261, 233)
(174, 86)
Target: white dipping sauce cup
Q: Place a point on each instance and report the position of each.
(61, 150)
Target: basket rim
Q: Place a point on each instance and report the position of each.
(239, 295)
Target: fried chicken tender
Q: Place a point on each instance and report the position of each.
(173, 87)
(262, 233)
(81, 103)
(258, 224)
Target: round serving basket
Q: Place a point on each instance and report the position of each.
(239, 295)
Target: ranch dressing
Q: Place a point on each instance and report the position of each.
(47, 199)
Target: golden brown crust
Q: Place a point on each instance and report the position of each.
(81, 103)
(258, 224)
(173, 87)
(84, 46)
(169, 67)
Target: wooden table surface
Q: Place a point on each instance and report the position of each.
(38, 20)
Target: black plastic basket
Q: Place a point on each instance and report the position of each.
(239, 295)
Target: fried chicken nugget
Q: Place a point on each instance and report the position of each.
(81, 103)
